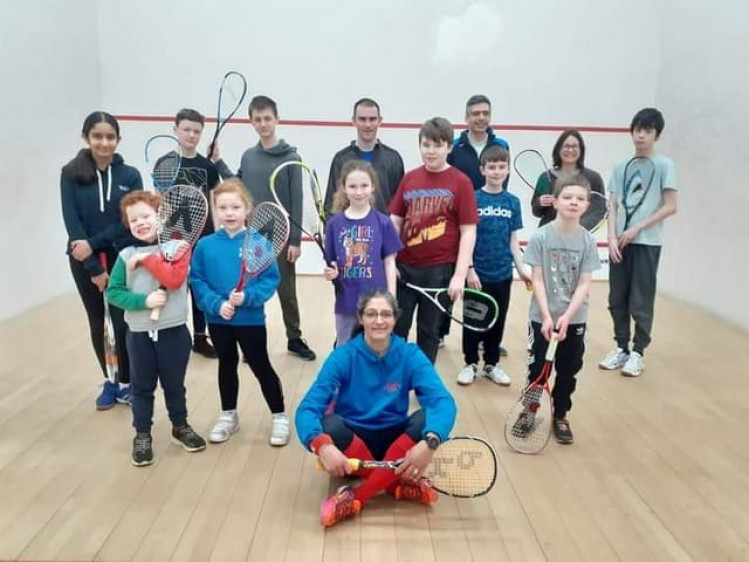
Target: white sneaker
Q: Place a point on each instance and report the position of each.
(634, 365)
(467, 374)
(614, 360)
(497, 375)
(279, 433)
(227, 424)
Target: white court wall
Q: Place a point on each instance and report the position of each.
(542, 62)
(703, 88)
(49, 64)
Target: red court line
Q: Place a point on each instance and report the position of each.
(396, 125)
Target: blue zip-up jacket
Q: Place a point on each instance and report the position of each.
(91, 211)
(373, 390)
(214, 273)
(463, 156)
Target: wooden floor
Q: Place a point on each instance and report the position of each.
(659, 470)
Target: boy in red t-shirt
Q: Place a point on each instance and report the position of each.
(434, 211)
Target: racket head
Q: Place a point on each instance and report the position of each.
(463, 467)
(637, 179)
(597, 212)
(164, 155)
(480, 310)
(531, 167)
(529, 422)
(181, 218)
(266, 237)
(231, 94)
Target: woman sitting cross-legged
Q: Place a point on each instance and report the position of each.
(358, 408)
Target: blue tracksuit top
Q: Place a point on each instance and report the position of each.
(214, 273)
(373, 390)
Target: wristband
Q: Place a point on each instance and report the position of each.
(320, 441)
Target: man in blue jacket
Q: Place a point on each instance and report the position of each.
(466, 156)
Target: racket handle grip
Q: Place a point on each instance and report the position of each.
(155, 314)
(528, 286)
(353, 464)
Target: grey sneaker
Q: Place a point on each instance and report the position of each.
(188, 439)
(228, 423)
(614, 360)
(142, 449)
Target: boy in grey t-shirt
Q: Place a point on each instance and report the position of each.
(563, 256)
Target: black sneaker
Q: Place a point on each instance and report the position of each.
(203, 347)
(300, 348)
(142, 449)
(562, 432)
(186, 436)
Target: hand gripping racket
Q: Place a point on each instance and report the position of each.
(306, 212)
(637, 181)
(111, 361)
(265, 239)
(164, 155)
(231, 94)
(529, 422)
(181, 218)
(462, 467)
(479, 310)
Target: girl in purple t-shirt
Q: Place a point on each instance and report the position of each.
(360, 243)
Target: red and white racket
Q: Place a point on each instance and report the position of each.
(529, 422)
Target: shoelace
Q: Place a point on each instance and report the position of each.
(141, 445)
(344, 505)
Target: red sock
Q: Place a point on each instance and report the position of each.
(357, 449)
(382, 478)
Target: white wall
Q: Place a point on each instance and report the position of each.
(703, 88)
(543, 62)
(50, 75)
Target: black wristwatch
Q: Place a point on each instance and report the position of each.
(432, 441)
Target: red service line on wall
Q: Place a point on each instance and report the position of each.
(384, 125)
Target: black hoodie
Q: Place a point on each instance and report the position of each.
(91, 210)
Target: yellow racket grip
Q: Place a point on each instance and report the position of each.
(528, 286)
(353, 464)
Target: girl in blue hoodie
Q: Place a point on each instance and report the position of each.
(236, 317)
(371, 377)
(91, 187)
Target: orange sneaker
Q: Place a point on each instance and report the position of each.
(420, 491)
(338, 506)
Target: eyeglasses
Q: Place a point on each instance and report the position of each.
(371, 314)
(570, 147)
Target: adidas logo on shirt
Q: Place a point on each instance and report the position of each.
(495, 212)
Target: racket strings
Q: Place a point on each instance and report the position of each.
(267, 234)
(166, 169)
(528, 424)
(463, 467)
(181, 218)
(597, 212)
(531, 166)
(231, 95)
